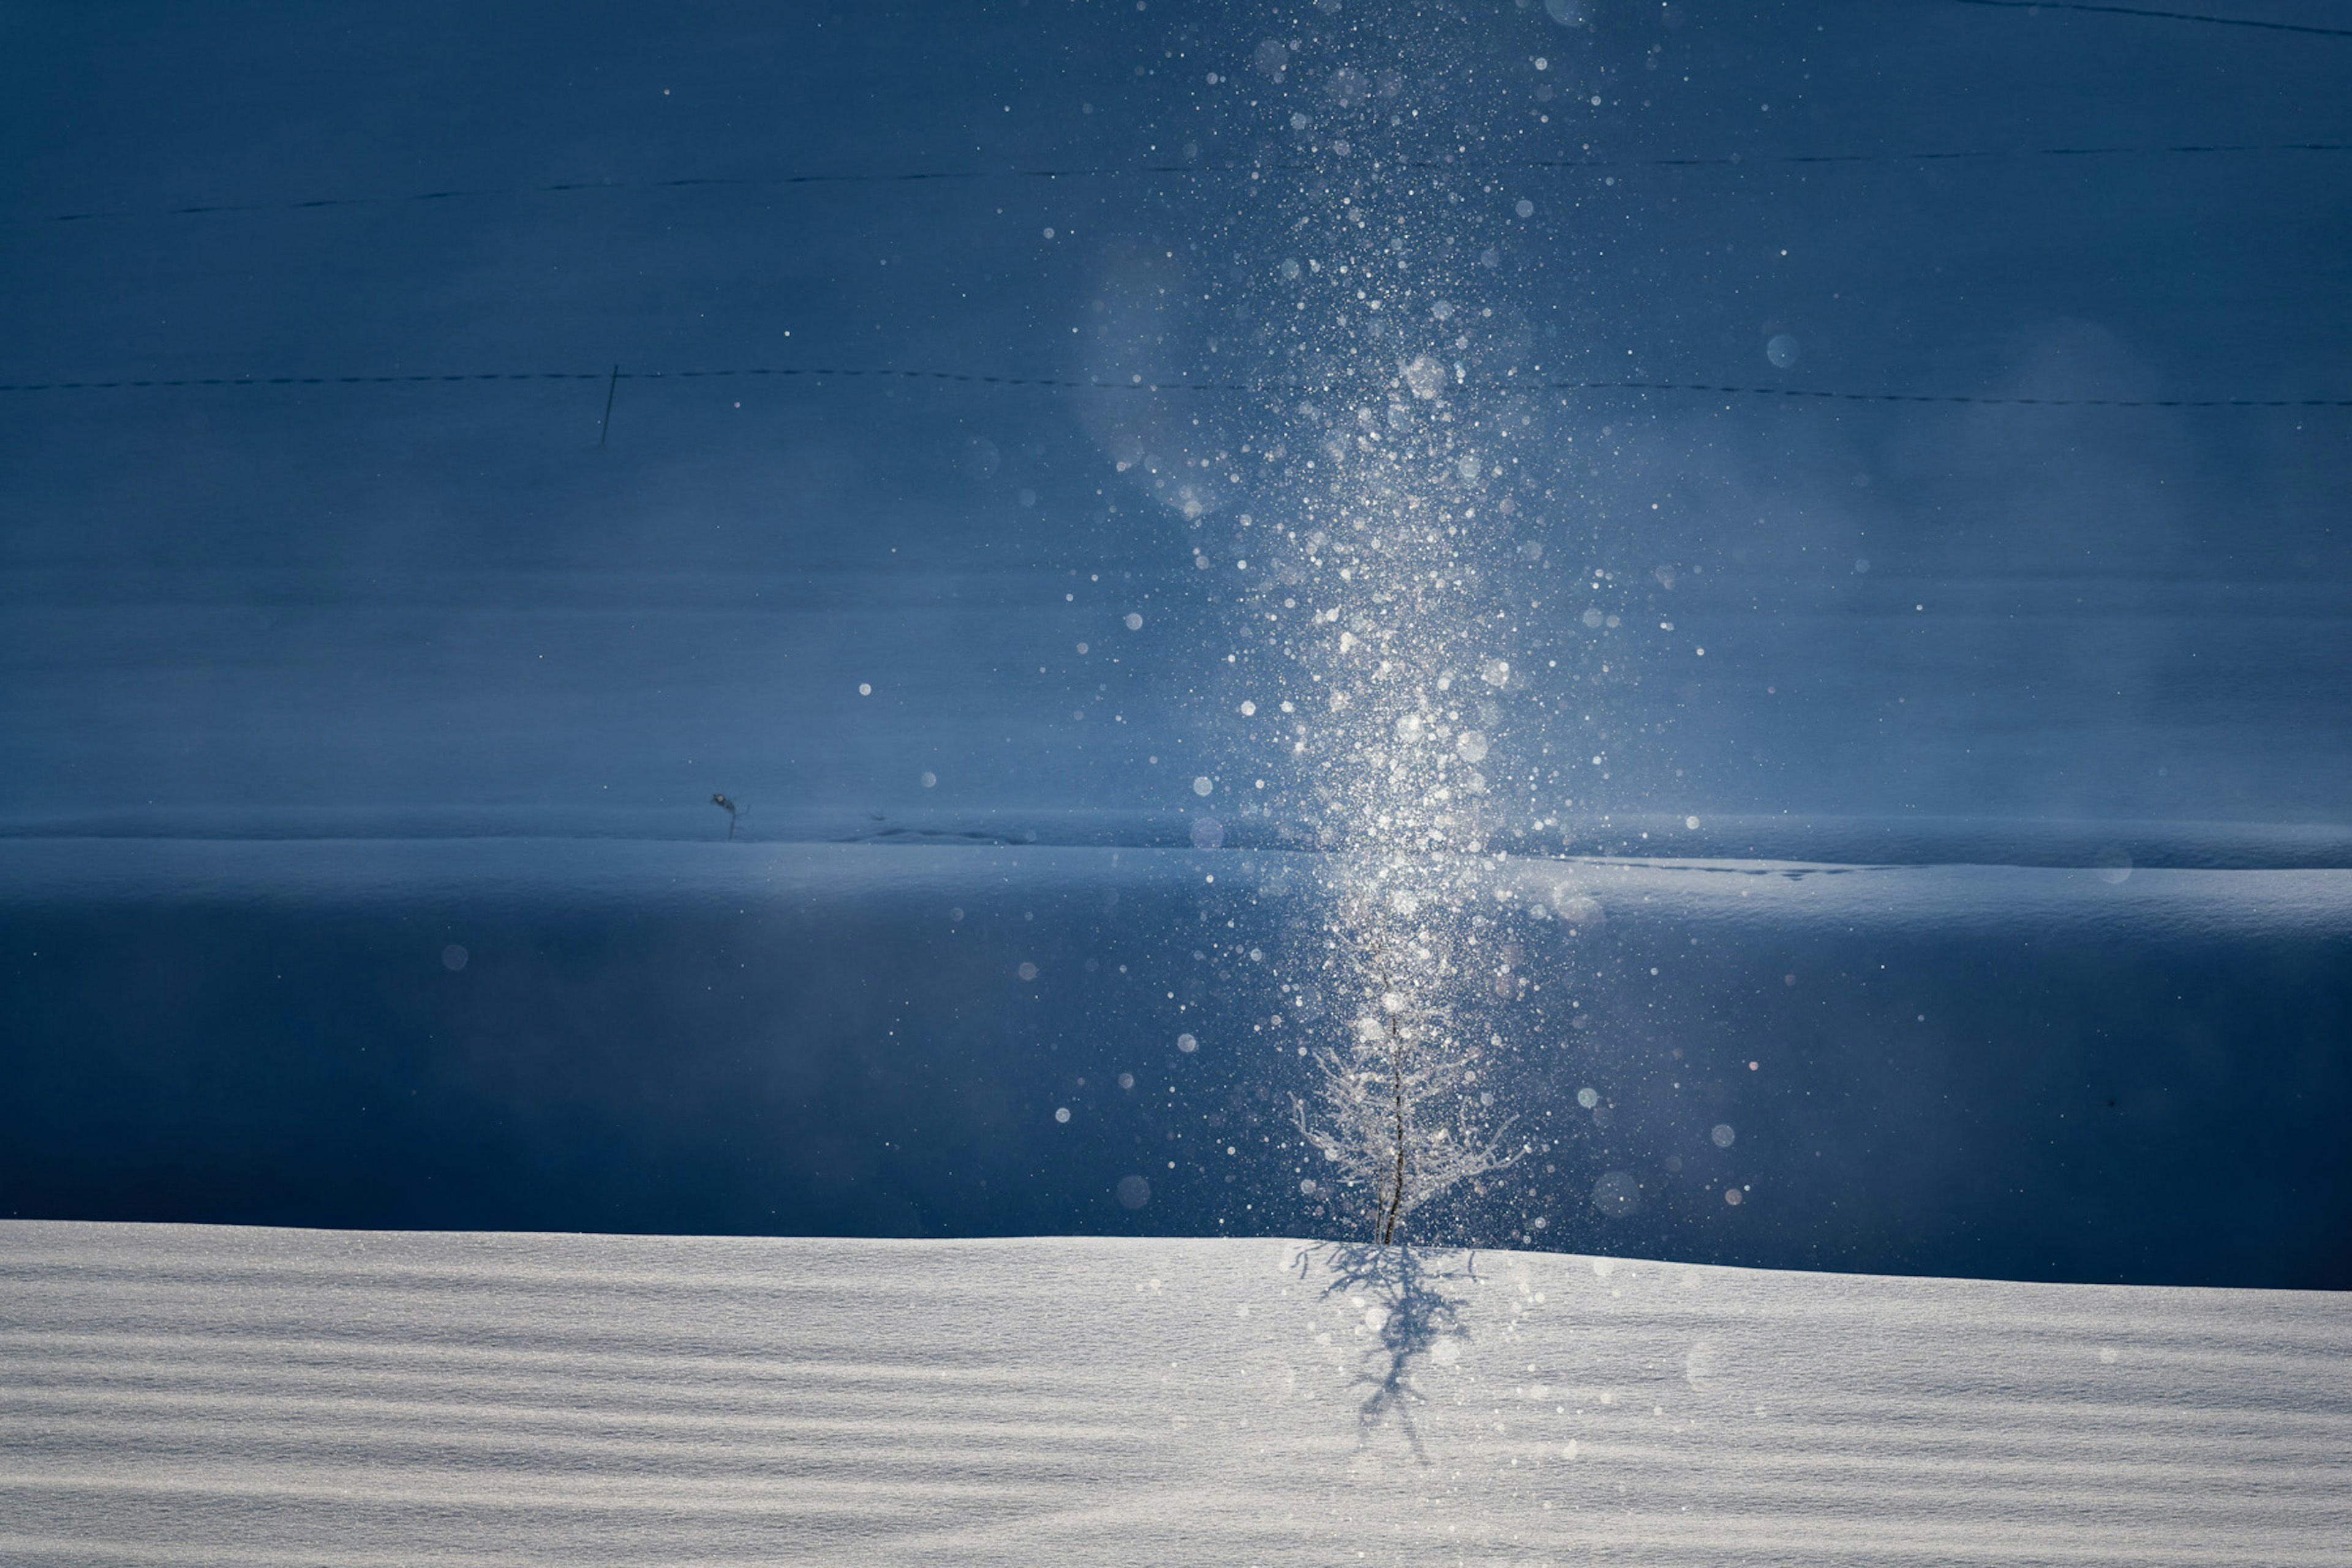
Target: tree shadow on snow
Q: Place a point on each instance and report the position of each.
(1411, 1313)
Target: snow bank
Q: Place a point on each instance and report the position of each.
(174, 1395)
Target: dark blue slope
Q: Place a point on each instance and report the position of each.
(2010, 1073)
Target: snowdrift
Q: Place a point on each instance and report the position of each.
(196, 1395)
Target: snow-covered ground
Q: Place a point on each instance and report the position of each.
(174, 1395)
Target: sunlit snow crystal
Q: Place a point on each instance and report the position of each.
(1617, 1193)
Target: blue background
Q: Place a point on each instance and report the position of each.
(283, 621)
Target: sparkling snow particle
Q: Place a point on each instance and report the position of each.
(1208, 833)
(453, 958)
(864, 690)
(1471, 745)
(1134, 622)
(1187, 1044)
(1525, 209)
(1201, 785)
(1723, 1135)
(1027, 971)
(1781, 351)
(1588, 1098)
(1617, 1195)
(1062, 1113)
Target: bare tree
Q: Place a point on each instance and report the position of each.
(1401, 1114)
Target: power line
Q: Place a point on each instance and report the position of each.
(1154, 171)
(1788, 392)
(1736, 159)
(614, 375)
(2161, 16)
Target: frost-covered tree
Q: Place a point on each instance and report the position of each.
(1399, 1116)
(1395, 499)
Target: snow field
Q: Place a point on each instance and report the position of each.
(187, 1395)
